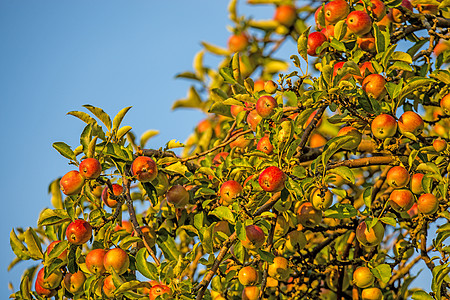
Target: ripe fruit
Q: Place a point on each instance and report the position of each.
(74, 282)
(79, 232)
(178, 196)
(397, 177)
(439, 145)
(385, 23)
(264, 145)
(108, 286)
(317, 140)
(427, 204)
(321, 198)
(366, 66)
(328, 31)
(265, 106)
(378, 9)
(384, 126)
(366, 42)
(352, 132)
(253, 119)
(335, 11)
(370, 237)
(242, 141)
(248, 276)
(144, 168)
(416, 183)
(258, 86)
(410, 122)
(338, 66)
(94, 261)
(238, 42)
(125, 225)
(413, 211)
(255, 237)
(401, 200)
(371, 294)
(279, 269)
(315, 40)
(159, 289)
(359, 22)
(52, 281)
(363, 277)
(235, 109)
(374, 86)
(396, 15)
(219, 158)
(250, 293)
(272, 179)
(308, 216)
(106, 197)
(116, 259)
(404, 249)
(90, 168)
(445, 104)
(229, 191)
(62, 256)
(71, 183)
(285, 15)
(43, 291)
(442, 46)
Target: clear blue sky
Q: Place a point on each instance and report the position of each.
(56, 56)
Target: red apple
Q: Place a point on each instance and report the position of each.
(373, 293)
(48, 293)
(178, 196)
(74, 282)
(250, 293)
(321, 198)
(396, 15)
(352, 132)
(272, 179)
(428, 204)
(90, 168)
(144, 168)
(359, 22)
(265, 106)
(159, 289)
(374, 86)
(264, 145)
(238, 42)
(445, 104)
(384, 126)
(62, 256)
(363, 277)
(229, 191)
(439, 145)
(328, 31)
(116, 259)
(94, 261)
(413, 211)
(416, 183)
(315, 40)
(362, 69)
(248, 276)
(219, 158)
(255, 237)
(335, 11)
(337, 66)
(79, 232)
(442, 46)
(369, 237)
(285, 15)
(308, 216)
(71, 183)
(410, 122)
(401, 200)
(366, 42)
(253, 119)
(397, 177)
(106, 197)
(52, 281)
(378, 9)
(109, 287)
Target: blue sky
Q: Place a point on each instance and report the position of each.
(56, 56)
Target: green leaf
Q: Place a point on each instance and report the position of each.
(223, 213)
(122, 131)
(64, 150)
(387, 55)
(85, 137)
(382, 272)
(414, 85)
(192, 100)
(33, 243)
(266, 256)
(332, 146)
(421, 295)
(302, 44)
(221, 109)
(345, 172)
(341, 211)
(52, 217)
(18, 247)
(151, 191)
(100, 114)
(82, 116)
(172, 144)
(240, 231)
(215, 49)
(339, 46)
(147, 269)
(119, 117)
(207, 240)
(177, 168)
(146, 136)
(389, 221)
(439, 274)
(380, 42)
(402, 56)
(168, 246)
(227, 75)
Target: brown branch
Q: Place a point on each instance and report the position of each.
(363, 162)
(310, 128)
(405, 269)
(379, 183)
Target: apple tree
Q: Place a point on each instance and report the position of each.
(323, 175)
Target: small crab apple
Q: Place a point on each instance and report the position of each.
(308, 216)
(255, 237)
(335, 11)
(265, 145)
(94, 261)
(398, 16)
(229, 191)
(248, 276)
(397, 177)
(79, 232)
(359, 22)
(116, 259)
(52, 281)
(317, 140)
(372, 293)
(74, 282)
(238, 42)
(374, 86)
(178, 196)
(439, 145)
(416, 183)
(250, 293)
(315, 40)
(427, 204)
(410, 122)
(366, 42)
(272, 179)
(378, 9)
(363, 277)
(370, 237)
(71, 183)
(144, 168)
(253, 119)
(90, 168)
(321, 198)
(384, 126)
(401, 200)
(445, 104)
(106, 197)
(352, 132)
(159, 289)
(265, 106)
(41, 291)
(285, 15)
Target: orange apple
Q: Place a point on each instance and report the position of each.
(106, 197)
(374, 86)
(264, 145)
(238, 42)
(250, 293)
(48, 293)
(52, 281)
(159, 289)
(401, 200)
(229, 190)
(265, 106)
(397, 177)
(74, 282)
(285, 15)
(439, 145)
(308, 216)
(363, 277)
(94, 261)
(253, 119)
(371, 294)
(396, 15)
(410, 122)
(359, 22)
(71, 183)
(369, 237)
(79, 232)
(248, 276)
(445, 104)
(62, 256)
(352, 132)
(116, 259)
(384, 126)
(279, 269)
(428, 204)
(317, 140)
(272, 179)
(144, 168)
(90, 168)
